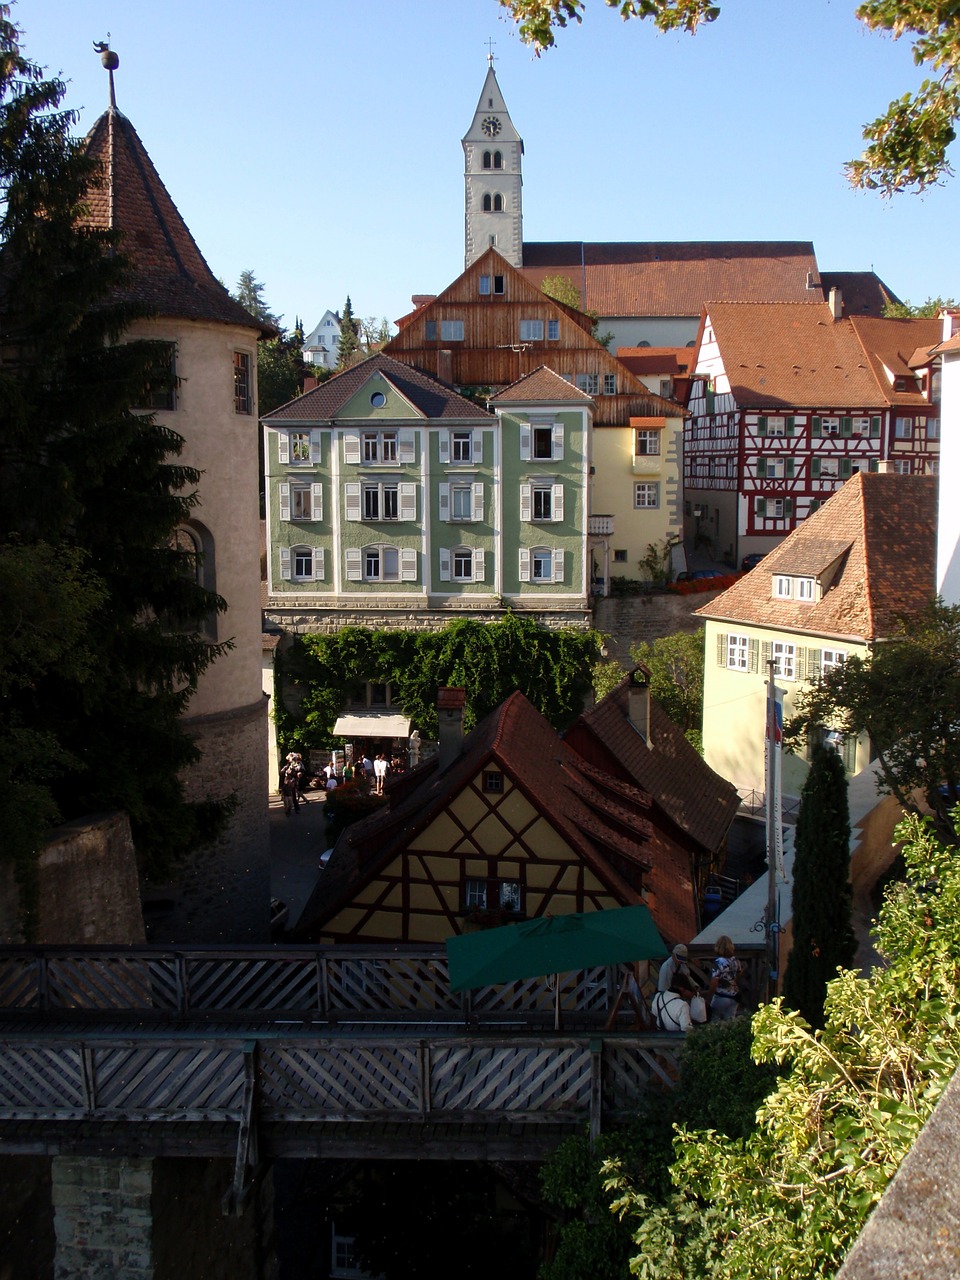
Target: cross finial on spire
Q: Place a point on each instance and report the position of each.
(110, 61)
(490, 58)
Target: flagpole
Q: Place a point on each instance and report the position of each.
(773, 837)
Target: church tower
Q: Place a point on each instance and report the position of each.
(492, 151)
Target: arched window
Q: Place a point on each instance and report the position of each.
(194, 547)
(381, 564)
(486, 159)
(487, 203)
(497, 160)
(498, 203)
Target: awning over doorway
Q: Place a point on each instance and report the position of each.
(372, 724)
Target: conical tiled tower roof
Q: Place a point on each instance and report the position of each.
(170, 275)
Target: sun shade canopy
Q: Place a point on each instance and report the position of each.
(553, 944)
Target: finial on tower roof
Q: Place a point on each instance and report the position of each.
(490, 58)
(111, 61)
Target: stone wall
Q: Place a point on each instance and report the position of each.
(222, 893)
(88, 889)
(305, 619)
(626, 620)
(103, 1221)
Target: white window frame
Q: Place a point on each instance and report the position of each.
(776, 426)
(646, 443)
(784, 657)
(288, 563)
(933, 428)
(643, 490)
(531, 330)
(738, 652)
(292, 506)
(783, 587)
(461, 446)
(903, 429)
(806, 588)
(451, 330)
(461, 564)
(830, 659)
(903, 466)
(830, 426)
(589, 383)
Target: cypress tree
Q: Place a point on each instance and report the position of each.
(823, 936)
(92, 486)
(348, 351)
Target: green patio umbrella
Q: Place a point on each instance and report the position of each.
(553, 944)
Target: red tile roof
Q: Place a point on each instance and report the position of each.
(862, 293)
(541, 384)
(664, 361)
(169, 273)
(675, 279)
(880, 531)
(434, 399)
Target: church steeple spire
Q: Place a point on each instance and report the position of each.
(493, 181)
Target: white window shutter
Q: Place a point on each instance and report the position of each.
(479, 571)
(351, 494)
(444, 564)
(526, 501)
(558, 502)
(557, 564)
(444, 502)
(316, 502)
(353, 563)
(283, 446)
(524, 564)
(444, 447)
(408, 502)
(478, 500)
(557, 441)
(283, 492)
(318, 560)
(285, 572)
(406, 447)
(524, 444)
(314, 446)
(476, 447)
(408, 564)
(351, 447)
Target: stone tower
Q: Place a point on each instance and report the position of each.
(493, 183)
(224, 894)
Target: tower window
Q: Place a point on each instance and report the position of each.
(498, 203)
(486, 160)
(487, 203)
(497, 160)
(242, 386)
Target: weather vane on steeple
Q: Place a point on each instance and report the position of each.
(490, 58)
(110, 61)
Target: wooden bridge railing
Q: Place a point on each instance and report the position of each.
(336, 984)
(146, 1080)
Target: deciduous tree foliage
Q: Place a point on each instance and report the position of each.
(823, 937)
(906, 146)
(790, 1199)
(90, 493)
(675, 664)
(489, 660)
(906, 696)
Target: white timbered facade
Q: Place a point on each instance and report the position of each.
(787, 403)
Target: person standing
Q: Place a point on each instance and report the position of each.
(724, 986)
(673, 967)
(290, 789)
(380, 771)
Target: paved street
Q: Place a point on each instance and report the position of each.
(296, 843)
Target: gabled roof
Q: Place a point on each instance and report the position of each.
(700, 803)
(432, 398)
(665, 361)
(658, 278)
(595, 814)
(875, 542)
(797, 355)
(862, 293)
(169, 273)
(542, 384)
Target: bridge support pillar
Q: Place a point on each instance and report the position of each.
(102, 1218)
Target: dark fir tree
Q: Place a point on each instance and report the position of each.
(823, 936)
(249, 294)
(348, 351)
(92, 721)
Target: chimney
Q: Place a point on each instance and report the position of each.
(951, 323)
(886, 467)
(638, 704)
(445, 365)
(835, 303)
(450, 704)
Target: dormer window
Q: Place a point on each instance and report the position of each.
(783, 588)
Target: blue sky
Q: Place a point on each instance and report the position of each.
(319, 144)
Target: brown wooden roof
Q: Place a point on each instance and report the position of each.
(491, 354)
(434, 399)
(675, 279)
(698, 803)
(880, 530)
(592, 811)
(862, 293)
(169, 273)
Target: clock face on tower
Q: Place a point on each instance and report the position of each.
(490, 126)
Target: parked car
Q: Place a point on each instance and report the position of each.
(696, 575)
(752, 560)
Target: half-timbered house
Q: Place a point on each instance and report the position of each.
(506, 824)
(948, 527)
(789, 401)
(491, 328)
(834, 588)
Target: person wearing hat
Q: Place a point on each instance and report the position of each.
(675, 967)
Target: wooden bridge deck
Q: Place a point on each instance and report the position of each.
(275, 1051)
